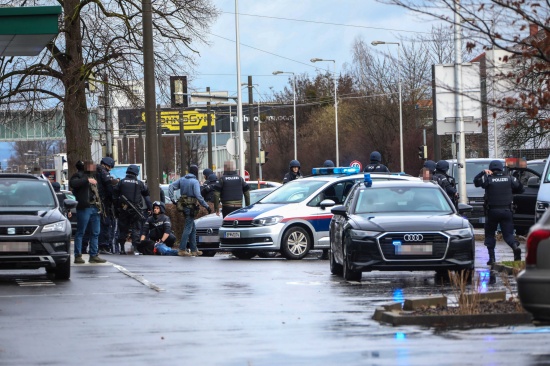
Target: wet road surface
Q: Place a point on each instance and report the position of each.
(145, 310)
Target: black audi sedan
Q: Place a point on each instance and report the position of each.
(399, 226)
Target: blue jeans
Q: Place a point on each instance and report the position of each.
(84, 217)
(189, 234)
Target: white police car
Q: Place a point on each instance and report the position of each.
(295, 218)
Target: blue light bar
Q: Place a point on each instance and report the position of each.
(367, 180)
(346, 170)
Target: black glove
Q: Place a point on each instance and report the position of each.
(209, 210)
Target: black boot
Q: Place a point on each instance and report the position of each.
(491, 256)
(517, 253)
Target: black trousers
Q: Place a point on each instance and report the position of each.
(505, 218)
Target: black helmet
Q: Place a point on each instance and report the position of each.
(496, 165)
(206, 172)
(79, 165)
(328, 164)
(133, 169)
(430, 165)
(110, 162)
(56, 186)
(193, 169)
(161, 205)
(294, 163)
(442, 165)
(212, 178)
(375, 156)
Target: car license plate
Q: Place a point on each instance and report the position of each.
(208, 239)
(413, 249)
(233, 234)
(22, 247)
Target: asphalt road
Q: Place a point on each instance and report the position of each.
(150, 310)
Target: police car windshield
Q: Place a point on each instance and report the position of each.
(399, 200)
(295, 191)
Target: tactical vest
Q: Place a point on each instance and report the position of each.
(231, 188)
(499, 191)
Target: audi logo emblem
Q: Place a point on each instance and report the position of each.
(413, 237)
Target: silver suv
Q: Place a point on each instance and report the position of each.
(34, 233)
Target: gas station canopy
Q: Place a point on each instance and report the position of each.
(25, 31)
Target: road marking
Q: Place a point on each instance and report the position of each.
(138, 278)
(33, 283)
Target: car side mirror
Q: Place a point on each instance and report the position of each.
(463, 208)
(533, 182)
(69, 204)
(339, 210)
(327, 203)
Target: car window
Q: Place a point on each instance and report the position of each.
(333, 192)
(295, 191)
(26, 193)
(402, 199)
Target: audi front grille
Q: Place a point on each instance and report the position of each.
(437, 241)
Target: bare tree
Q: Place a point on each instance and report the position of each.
(100, 40)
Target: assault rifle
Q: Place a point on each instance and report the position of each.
(127, 205)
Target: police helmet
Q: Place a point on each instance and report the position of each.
(212, 178)
(375, 156)
(294, 163)
(328, 164)
(133, 169)
(56, 186)
(79, 165)
(442, 165)
(193, 169)
(161, 205)
(206, 172)
(110, 162)
(496, 165)
(430, 165)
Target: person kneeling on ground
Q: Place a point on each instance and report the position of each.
(156, 234)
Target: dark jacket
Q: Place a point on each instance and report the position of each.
(290, 176)
(157, 225)
(376, 166)
(82, 190)
(499, 188)
(134, 190)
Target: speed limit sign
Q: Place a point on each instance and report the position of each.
(356, 164)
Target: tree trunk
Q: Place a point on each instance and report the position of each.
(75, 109)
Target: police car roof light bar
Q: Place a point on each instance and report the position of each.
(346, 170)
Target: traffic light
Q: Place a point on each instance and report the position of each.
(423, 152)
(263, 157)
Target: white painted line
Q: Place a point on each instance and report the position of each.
(138, 278)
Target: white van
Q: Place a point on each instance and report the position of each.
(543, 197)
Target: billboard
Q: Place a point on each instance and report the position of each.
(133, 120)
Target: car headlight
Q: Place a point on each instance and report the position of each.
(56, 226)
(360, 234)
(542, 206)
(265, 221)
(461, 233)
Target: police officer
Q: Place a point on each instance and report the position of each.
(157, 228)
(446, 181)
(375, 164)
(88, 210)
(499, 189)
(294, 171)
(427, 170)
(230, 190)
(135, 192)
(206, 173)
(328, 164)
(207, 188)
(190, 191)
(105, 186)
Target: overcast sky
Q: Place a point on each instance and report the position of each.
(285, 34)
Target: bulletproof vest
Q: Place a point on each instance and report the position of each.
(131, 188)
(207, 191)
(445, 182)
(232, 188)
(499, 190)
(377, 167)
(102, 176)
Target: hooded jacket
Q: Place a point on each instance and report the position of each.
(157, 225)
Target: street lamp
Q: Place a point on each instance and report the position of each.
(335, 105)
(376, 43)
(294, 93)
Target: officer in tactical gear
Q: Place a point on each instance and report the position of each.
(105, 186)
(157, 229)
(445, 181)
(190, 195)
(129, 194)
(375, 164)
(328, 164)
(499, 190)
(84, 187)
(230, 190)
(294, 171)
(427, 170)
(207, 188)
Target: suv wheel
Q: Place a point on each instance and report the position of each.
(296, 243)
(63, 270)
(349, 274)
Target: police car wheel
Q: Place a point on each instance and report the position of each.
(267, 254)
(349, 274)
(296, 243)
(208, 253)
(335, 268)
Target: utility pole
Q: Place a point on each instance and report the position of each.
(252, 153)
(182, 144)
(209, 131)
(159, 150)
(108, 119)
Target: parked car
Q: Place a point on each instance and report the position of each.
(207, 227)
(543, 195)
(72, 219)
(294, 218)
(263, 184)
(164, 188)
(34, 233)
(399, 226)
(534, 281)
